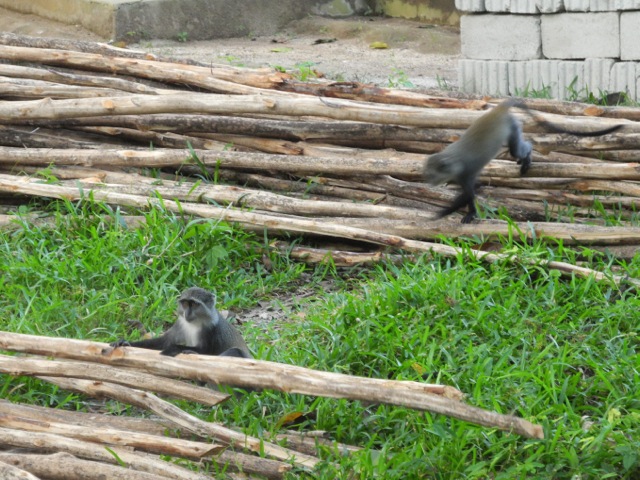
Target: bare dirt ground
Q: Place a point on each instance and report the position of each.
(419, 55)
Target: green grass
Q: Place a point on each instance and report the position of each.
(517, 339)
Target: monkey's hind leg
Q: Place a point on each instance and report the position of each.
(467, 197)
(234, 352)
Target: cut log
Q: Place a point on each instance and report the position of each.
(48, 443)
(190, 423)
(63, 466)
(102, 373)
(262, 374)
(148, 443)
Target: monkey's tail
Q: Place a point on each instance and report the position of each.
(595, 133)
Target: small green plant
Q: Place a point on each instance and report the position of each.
(528, 92)
(442, 83)
(399, 78)
(572, 93)
(305, 71)
(235, 61)
(183, 36)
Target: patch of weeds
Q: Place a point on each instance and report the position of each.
(232, 60)
(399, 78)
(443, 84)
(528, 92)
(305, 71)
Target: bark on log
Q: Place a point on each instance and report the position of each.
(62, 466)
(71, 78)
(578, 109)
(372, 93)
(338, 258)
(225, 159)
(604, 171)
(149, 443)
(26, 137)
(49, 443)
(107, 50)
(26, 89)
(267, 103)
(10, 472)
(157, 427)
(410, 166)
(102, 373)
(304, 442)
(8, 183)
(211, 78)
(7, 38)
(254, 373)
(559, 198)
(232, 460)
(293, 130)
(192, 424)
(267, 201)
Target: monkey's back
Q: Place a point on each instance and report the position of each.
(482, 141)
(225, 337)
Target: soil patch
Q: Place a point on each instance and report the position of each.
(418, 55)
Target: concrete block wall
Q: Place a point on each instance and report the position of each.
(566, 46)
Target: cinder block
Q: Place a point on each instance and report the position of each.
(571, 80)
(533, 76)
(544, 75)
(468, 72)
(629, 4)
(476, 6)
(577, 5)
(630, 36)
(520, 78)
(581, 35)
(604, 5)
(525, 6)
(485, 77)
(495, 78)
(513, 6)
(507, 37)
(597, 74)
(550, 6)
(624, 77)
(497, 6)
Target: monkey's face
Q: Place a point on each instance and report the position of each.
(192, 310)
(197, 306)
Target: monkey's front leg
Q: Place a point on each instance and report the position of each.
(525, 164)
(519, 148)
(156, 343)
(174, 350)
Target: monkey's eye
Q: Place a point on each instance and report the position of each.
(186, 304)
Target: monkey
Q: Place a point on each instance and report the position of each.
(462, 161)
(199, 329)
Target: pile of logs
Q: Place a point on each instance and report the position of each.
(341, 154)
(99, 445)
(256, 147)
